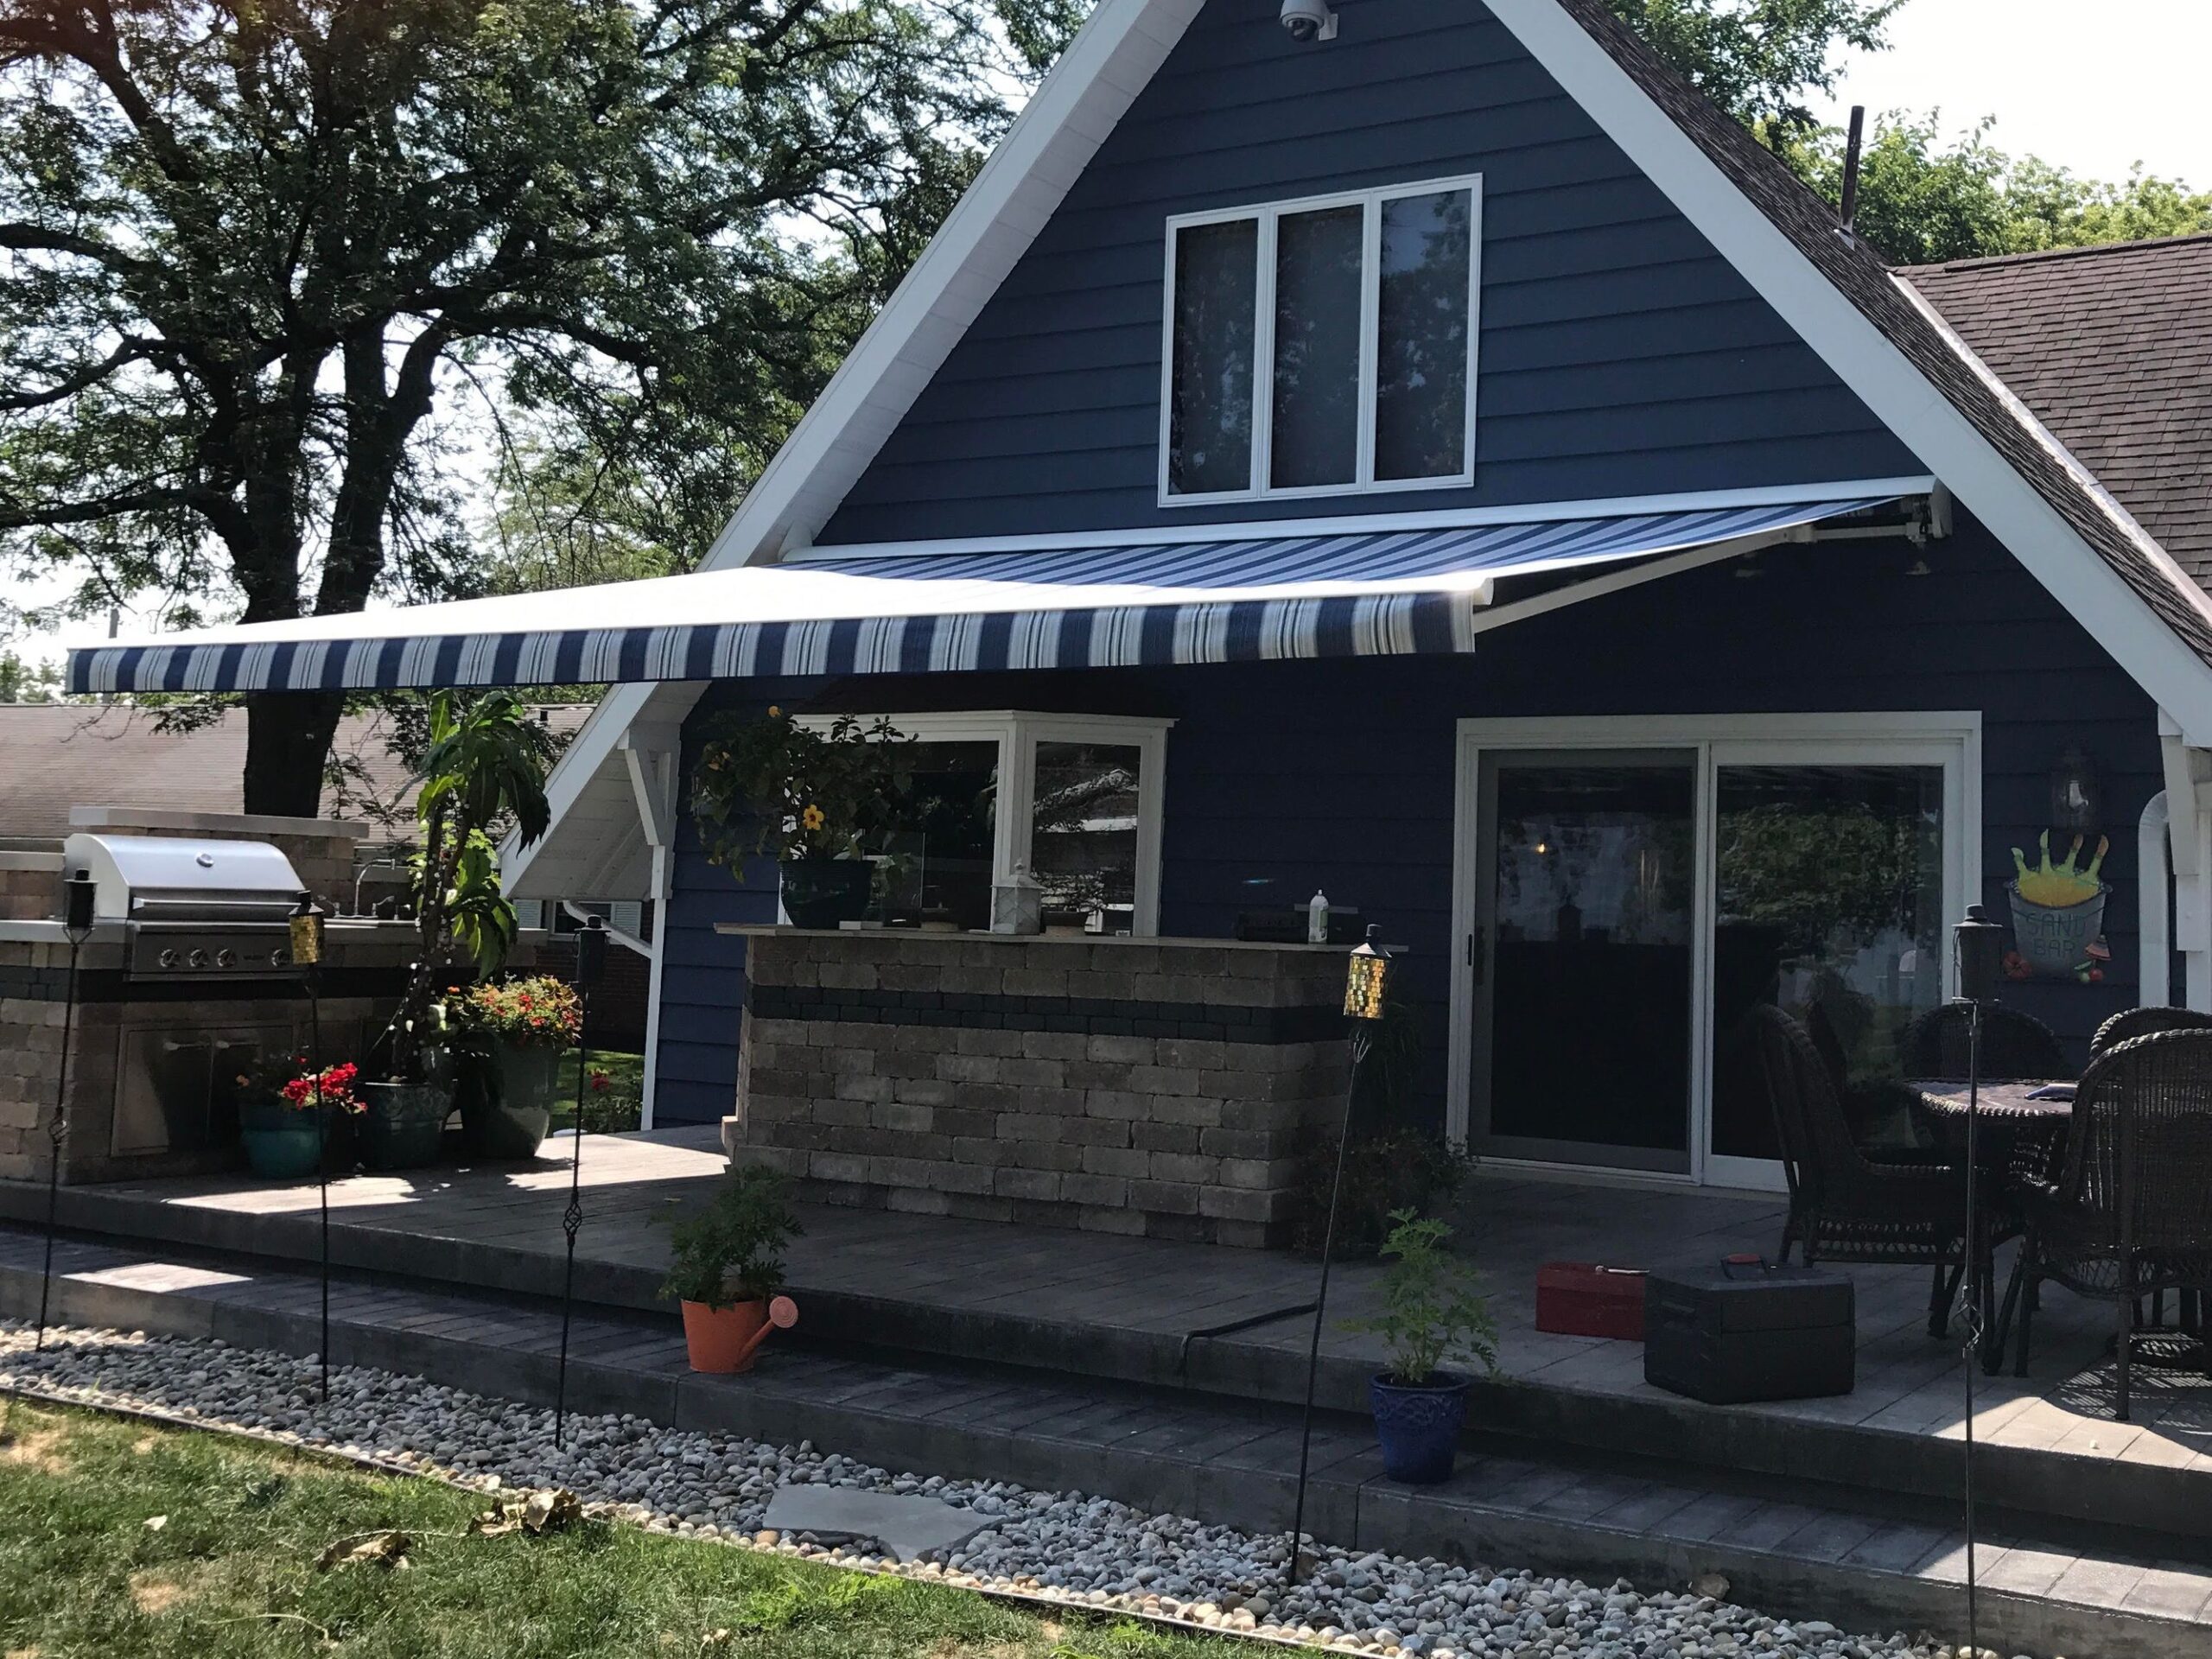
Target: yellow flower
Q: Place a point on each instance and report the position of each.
(775, 713)
(812, 817)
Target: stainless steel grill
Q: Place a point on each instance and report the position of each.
(217, 910)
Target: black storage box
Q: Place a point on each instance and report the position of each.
(1738, 1331)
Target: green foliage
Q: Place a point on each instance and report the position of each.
(23, 682)
(270, 274)
(1926, 197)
(1758, 59)
(1433, 1311)
(233, 1572)
(733, 1250)
(767, 784)
(484, 766)
(1385, 1170)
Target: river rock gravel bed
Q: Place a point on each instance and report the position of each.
(1087, 1551)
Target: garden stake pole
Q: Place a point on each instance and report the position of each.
(591, 957)
(1979, 946)
(307, 957)
(1359, 1045)
(1366, 979)
(78, 893)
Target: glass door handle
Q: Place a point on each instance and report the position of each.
(1475, 953)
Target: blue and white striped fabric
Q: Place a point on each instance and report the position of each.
(839, 612)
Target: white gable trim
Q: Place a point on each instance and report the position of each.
(1921, 416)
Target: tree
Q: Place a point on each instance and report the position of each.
(1758, 59)
(256, 259)
(23, 682)
(1924, 198)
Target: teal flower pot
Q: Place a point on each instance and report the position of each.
(281, 1144)
(506, 1092)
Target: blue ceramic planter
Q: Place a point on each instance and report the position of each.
(1419, 1427)
(280, 1145)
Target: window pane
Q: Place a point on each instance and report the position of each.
(1420, 393)
(1209, 430)
(1316, 436)
(937, 868)
(1829, 905)
(1083, 851)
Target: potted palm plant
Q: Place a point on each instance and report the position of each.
(816, 800)
(1433, 1314)
(484, 768)
(290, 1118)
(510, 1036)
(726, 1267)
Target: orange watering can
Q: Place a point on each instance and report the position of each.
(725, 1339)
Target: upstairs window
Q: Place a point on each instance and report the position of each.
(1324, 345)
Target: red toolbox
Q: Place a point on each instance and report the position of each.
(1580, 1299)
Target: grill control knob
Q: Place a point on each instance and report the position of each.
(197, 959)
(226, 959)
(279, 958)
(168, 958)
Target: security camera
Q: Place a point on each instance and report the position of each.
(1309, 20)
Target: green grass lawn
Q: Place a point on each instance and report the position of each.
(233, 1570)
(625, 1080)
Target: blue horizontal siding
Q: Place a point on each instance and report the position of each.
(1620, 354)
(1286, 777)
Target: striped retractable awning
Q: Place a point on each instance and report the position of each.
(920, 610)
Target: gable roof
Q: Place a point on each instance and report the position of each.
(2112, 348)
(1872, 329)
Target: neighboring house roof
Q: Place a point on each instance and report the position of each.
(2112, 348)
(56, 756)
(1873, 330)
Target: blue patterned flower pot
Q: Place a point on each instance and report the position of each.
(1419, 1427)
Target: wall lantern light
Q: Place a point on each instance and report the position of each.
(2075, 800)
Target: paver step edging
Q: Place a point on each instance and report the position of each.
(2031, 1481)
(1348, 1500)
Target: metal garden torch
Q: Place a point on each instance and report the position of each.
(1977, 951)
(1367, 989)
(306, 946)
(591, 968)
(78, 895)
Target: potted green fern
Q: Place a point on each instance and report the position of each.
(1434, 1315)
(727, 1265)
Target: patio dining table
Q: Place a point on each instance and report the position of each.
(2022, 1128)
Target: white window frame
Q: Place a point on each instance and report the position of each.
(1951, 740)
(1363, 481)
(1017, 732)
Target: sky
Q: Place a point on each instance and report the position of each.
(2094, 87)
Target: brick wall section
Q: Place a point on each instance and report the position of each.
(31, 886)
(1126, 1086)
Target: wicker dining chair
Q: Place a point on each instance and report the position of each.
(2129, 1212)
(2141, 1022)
(2013, 1044)
(1847, 1203)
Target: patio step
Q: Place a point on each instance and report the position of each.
(1793, 1547)
(1245, 1343)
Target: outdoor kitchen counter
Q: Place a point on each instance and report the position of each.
(1131, 1085)
(141, 1054)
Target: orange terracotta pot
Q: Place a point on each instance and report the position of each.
(724, 1339)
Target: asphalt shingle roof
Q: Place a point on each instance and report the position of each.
(1931, 345)
(2112, 348)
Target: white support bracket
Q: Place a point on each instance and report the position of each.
(2189, 838)
(650, 754)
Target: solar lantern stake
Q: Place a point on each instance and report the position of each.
(1367, 980)
(591, 967)
(1978, 944)
(307, 957)
(78, 893)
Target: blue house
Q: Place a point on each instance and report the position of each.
(1443, 464)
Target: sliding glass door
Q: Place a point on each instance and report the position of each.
(1631, 890)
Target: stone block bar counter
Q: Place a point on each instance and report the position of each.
(1161, 1087)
